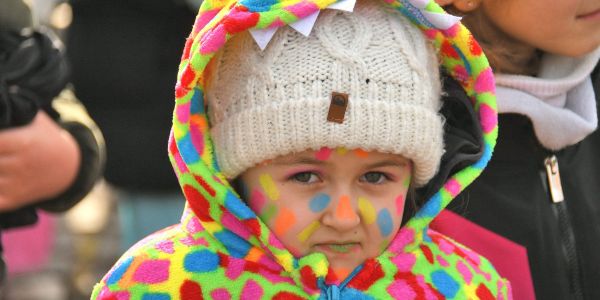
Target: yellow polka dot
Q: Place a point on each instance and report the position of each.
(367, 211)
(266, 182)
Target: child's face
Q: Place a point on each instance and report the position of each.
(566, 27)
(345, 204)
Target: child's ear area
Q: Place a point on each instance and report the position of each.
(459, 6)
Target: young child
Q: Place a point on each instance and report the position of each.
(543, 54)
(323, 136)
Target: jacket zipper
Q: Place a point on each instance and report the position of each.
(567, 235)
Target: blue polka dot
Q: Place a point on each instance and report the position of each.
(197, 102)
(201, 261)
(119, 271)
(187, 149)
(258, 5)
(236, 246)
(485, 158)
(235, 206)
(319, 202)
(444, 283)
(156, 296)
(431, 207)
(384, 221)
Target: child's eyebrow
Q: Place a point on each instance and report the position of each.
(387, 163)
(299, 161)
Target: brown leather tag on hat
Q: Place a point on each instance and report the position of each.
(337, 107)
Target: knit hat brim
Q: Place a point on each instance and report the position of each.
(246, 138)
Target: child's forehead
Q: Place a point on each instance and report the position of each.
(327, 155)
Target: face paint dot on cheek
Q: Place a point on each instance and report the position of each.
(267, 214)
(400, 205)
(385, 222)
(308, 231)
(266, 182)
(319, 202)
(284, 221)
(367, 211)
(406, 182)
(323, 153)
(257, 201)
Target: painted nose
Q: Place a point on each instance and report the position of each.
(342, 215)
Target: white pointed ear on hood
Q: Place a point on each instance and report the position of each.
(305, 25)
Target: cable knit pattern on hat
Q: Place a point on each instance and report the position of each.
(264, 104)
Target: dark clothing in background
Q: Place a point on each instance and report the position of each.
(33, 77)
(512, 199)
(124, 56)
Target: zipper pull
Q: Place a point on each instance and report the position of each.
(556, 191)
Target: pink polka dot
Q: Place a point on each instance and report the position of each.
(323, 153)
(205, 18)
(221, 294)
(404, 237)
(464, 272)
(251, 291)
(165, 246)
(194, 226)
(197, 138)
(489, 118)
(152, 271)
(429, 33)
(277, 23)
(453, 187)
(443, 262)
(183, 112)
(400, 290)
(446, 247)
(452, 31)
(233, 224)
(485, 82)
(235, 268)
(302, 9)
(404, 261)
(213, 40)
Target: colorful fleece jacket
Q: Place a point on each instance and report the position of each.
(222, 250)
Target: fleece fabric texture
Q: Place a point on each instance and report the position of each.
(222, 250)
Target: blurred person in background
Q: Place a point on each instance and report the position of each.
(51, 152)
(124, 55)
(537, 203)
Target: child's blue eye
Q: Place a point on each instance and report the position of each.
(374, 177)
(305, 177)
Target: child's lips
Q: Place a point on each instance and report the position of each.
(593, 15)
(338, 248)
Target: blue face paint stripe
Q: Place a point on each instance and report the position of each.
(384, 221)
(319, 202)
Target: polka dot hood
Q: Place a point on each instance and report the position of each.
(223, 250)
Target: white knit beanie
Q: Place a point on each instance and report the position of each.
(265, 104)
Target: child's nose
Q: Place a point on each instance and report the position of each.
(342, 215)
